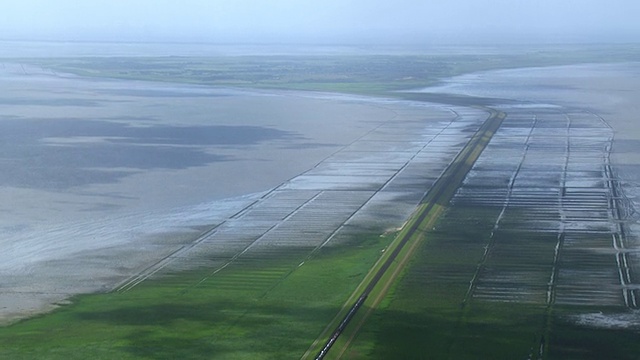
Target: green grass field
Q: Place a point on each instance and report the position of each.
(429, 316)
(258, 309)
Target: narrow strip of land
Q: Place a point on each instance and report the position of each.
(375, 285)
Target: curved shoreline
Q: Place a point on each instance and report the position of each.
(86, 238)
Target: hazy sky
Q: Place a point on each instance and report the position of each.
(325, 21)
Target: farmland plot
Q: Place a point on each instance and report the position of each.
(532, 257)
(561, 189)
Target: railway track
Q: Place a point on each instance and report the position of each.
(384, 273)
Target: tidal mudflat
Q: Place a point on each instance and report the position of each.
(102, 178)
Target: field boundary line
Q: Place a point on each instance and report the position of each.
(413, 232)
